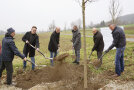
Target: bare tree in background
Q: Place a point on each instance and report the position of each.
(83, 3)
(52, 26)
(115, 10)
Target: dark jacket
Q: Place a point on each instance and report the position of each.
(0, 48)
(34, 40)
(119, 38)
(76, 39)
(98, 42)
(54, 41)
(9, 49)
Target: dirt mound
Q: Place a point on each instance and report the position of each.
(59, 72)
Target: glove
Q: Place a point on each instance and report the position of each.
(107, 51)
(93, 49)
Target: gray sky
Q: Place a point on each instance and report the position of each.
(23, 14)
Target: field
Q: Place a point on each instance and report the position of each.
(62, 72)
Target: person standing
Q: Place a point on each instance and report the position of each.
(9, 49)
(30, 38)
(119, 41)
(76, 39)
(98, 43)
(54, 44)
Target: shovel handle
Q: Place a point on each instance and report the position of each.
(102, 56)
(39, 52)
(90, 54)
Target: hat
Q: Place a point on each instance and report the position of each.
(10, 30)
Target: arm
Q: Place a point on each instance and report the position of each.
(15, 49)
(0, 48)
(115, 41)
(37, 42)
(24, 38)
(96, 43)
(77, 40)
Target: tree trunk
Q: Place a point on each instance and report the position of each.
(84, 41)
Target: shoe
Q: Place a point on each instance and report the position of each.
(77, 63)
(12, 84)
(74, 61)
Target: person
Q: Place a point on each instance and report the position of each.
(0, 55)
(98, 43)
(30, 38)
(119, 41)
(76, 39)
(54, 44)
(9, 49)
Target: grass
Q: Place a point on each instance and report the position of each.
(66, 47)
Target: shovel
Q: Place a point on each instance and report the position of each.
(40, 52)
(98, 62)
(35, 64)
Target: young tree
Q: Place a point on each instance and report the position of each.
(115, 10)
(52, 26)
(83, 3)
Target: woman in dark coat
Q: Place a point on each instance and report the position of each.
(54, 44)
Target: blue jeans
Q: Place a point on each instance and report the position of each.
(25, 63)
(52, 55)
(77, 54)
(119, 61)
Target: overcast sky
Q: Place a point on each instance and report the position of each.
(23, 14)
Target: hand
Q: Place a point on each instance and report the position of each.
(92, 49)
(27, 41)
(38, 49)
(25, 59)
(72, 47)
(58, 45)
(106, 51)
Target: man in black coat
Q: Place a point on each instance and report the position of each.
(33, 39)
(98, 42)
(76, 39)
(9, 49)
(119, 41)
(54, 44)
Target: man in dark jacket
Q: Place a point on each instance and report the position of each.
(119, 41)
(98, 43)
(33, 39)
(76, 43)
(54, 44)
(9, 49)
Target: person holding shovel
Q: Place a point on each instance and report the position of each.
(54, 44)
(30, 38)
(119, 41)
(98, 43)
(76, 39)
(9, 49)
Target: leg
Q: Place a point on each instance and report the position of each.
(33, 60)
(55, 54)
(99, 54)
(25, 52)
(122, 59)
(2, 68)
(51, 61)
(9, 69)
(117, 62)
(78, 55)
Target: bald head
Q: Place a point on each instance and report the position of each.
(112, 26)
(75, 28)
(57, 30)
(94, 30)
